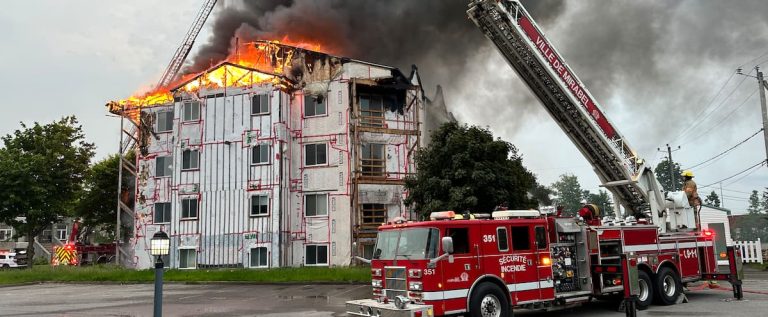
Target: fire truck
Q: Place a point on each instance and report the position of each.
(490, 265)
(79, 251)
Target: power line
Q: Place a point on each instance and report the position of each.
(724, 118)
(745, 175)
(726, 151)
(710, 112)
(726, 189)
(703, 109)
(754, 59)
(737, 174)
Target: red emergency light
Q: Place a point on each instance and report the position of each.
(708, 233)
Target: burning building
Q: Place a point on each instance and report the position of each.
(280, 156)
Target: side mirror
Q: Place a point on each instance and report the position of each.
(447, 243)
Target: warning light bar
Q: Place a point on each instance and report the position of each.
(442, 215)
(708, 233)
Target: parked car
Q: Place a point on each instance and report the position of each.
(8, 260)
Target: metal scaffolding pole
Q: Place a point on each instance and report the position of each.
(119, 188)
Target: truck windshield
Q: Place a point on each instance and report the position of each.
(411, 244)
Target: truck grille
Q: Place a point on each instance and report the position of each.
(395, 283)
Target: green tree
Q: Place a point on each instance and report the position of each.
(464, 168)
(663, 176)
(754, 204)
(752, 226)
(602, 200)
(712, 199)
(42, 168)
(569, 193)
(97, 205)
(764, 202)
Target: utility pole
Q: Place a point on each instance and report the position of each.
(763, 86)
(722, 197)
(670, 166)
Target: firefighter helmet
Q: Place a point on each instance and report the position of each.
(687, 173)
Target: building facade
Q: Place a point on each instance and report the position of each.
(283, 158)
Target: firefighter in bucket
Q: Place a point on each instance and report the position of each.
(590, 213)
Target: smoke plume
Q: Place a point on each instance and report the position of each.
(645, 61)
(436, 35)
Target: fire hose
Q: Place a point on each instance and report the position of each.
(722, 288)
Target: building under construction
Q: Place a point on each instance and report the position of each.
(280, 156)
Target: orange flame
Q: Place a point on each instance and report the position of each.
(264, 56)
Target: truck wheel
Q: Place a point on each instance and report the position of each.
(488, 301)
(667, 286)
(645, 296)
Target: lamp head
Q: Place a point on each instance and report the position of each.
(160, 244)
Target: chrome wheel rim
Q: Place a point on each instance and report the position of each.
(670, 287)
(644, 291)
(490, 306)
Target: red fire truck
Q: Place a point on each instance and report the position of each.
(489, 265)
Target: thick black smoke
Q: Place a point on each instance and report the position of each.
(433, 34)
(650, 62)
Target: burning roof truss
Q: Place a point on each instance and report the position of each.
(262, 62)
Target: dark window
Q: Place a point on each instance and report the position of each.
(541, 238)
(374, 215)
(163, 166)
(460, 238)
(314, 106)
(191, 110)
(259, 104)
(190, 160)
(316, 205)
(187, 258)
(259, 257)
(260, 154)
(259, 205)
(189, 208)
(6, 234)
(521, 238)
(164, 121)
(372, 108)
(162, 213)
(373, 161)
(315, 154)
(316, 255)
(501, 237)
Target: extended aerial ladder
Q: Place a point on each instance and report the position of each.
(186, 46)
(129, 131)
(567, 100)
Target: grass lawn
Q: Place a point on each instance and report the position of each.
(108, 273)
(758, 266)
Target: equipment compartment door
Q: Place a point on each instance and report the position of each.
(522, 263)
(544, 267)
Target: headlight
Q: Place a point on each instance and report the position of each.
(376, 283)
(375, 272)
(414, 273)
(415, 286)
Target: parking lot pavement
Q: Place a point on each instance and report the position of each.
(179, 300)
(307, 300)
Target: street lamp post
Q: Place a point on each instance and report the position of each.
(159, 246)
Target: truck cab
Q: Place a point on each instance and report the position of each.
(461, 265)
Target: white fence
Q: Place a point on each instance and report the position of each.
(751, 251)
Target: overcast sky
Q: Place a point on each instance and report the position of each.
(655, 67)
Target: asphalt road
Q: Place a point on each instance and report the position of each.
(304, 300)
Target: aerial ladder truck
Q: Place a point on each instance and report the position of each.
(490, 265)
